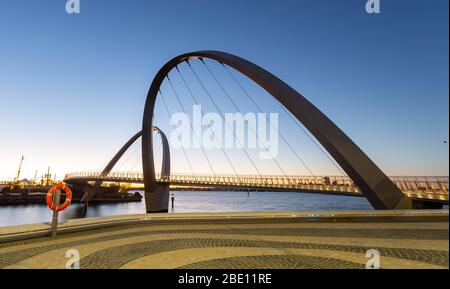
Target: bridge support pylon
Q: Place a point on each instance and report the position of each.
(157, 195)
(157, 201)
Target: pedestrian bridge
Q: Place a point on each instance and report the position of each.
(433, 189)
(178, 81)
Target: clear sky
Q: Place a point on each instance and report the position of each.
(73, 87)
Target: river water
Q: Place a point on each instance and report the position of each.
(190, 202)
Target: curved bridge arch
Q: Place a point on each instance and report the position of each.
(165, 168)
(376, 186)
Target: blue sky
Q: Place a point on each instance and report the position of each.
(72, 87)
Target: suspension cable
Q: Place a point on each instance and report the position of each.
(215, 137)
(220, 111)
(312, 139)
(184, 110)
(168, 113)
(293, 119)
(134, 165)
(260, 110)
(236, 107)
(129, 156)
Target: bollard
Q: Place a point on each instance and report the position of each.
(53, 201)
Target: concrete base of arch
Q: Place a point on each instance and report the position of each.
(157, 201)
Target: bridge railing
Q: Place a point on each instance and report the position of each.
(425, 187)
(331, 180)
(260, 182)
(439, 185)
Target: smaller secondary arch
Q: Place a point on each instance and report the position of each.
(92, 189)
(165, 168)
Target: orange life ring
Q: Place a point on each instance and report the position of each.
(50, 197)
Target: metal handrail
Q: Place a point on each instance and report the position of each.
(427, 187)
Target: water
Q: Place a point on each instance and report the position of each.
(190, 202)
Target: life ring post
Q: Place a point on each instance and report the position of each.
(53, 201)
(56, 198)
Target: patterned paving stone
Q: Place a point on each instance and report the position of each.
(13, 257)
(386, 233)
(224, 234)
(430, 234)
(274, 262)
(118, 256)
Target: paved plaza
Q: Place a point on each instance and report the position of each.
(246, 240)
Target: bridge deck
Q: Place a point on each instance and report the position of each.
(419, 188)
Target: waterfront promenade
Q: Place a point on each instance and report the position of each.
(405, 239)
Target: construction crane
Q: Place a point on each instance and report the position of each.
(47, 179)
(16, 182)
(34, 180)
